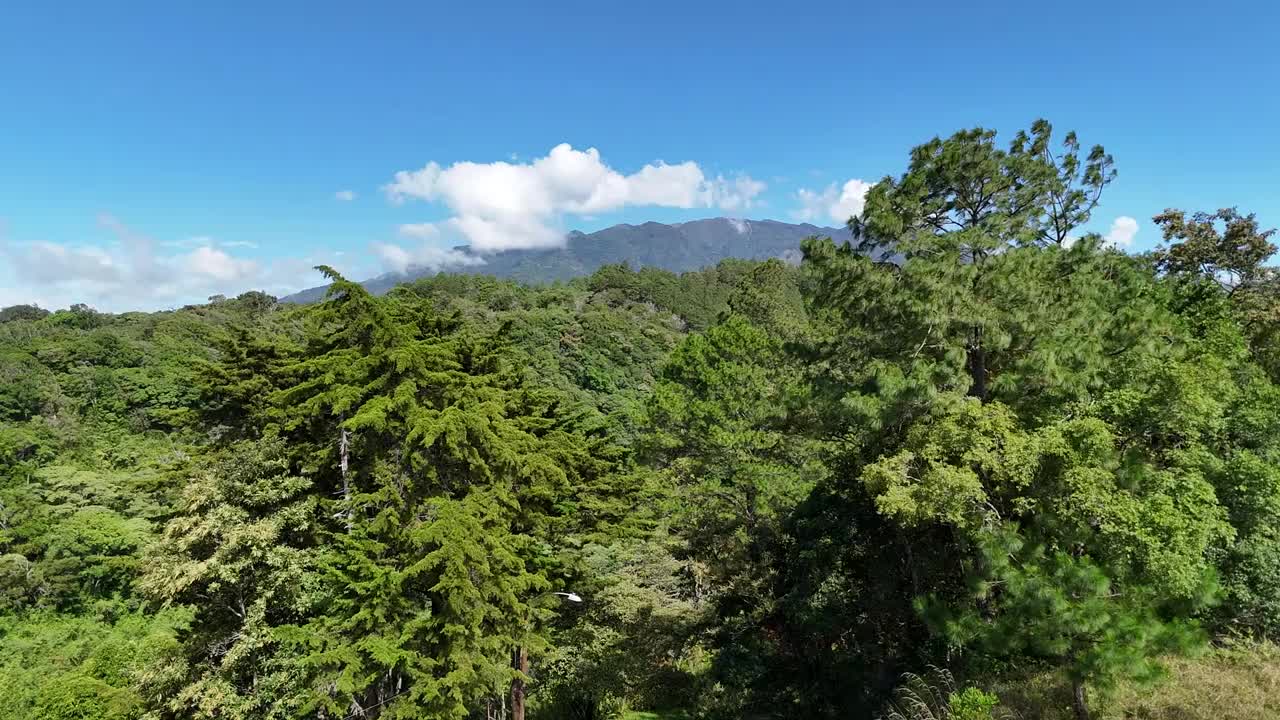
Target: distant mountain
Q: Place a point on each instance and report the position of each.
(677, 247)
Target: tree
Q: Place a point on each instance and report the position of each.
(985, 198)
(236, 389)
(69, 667)
(1232, 256)
(1230, 250)
(965, 377)
(1073, 550)
(24, 385)
(973, 302)
(725, 427)
(241, 552)
(455, 493)
(93, 553)
(769, 296)
(14, 313)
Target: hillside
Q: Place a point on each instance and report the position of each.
(677, 247)
(998, 474)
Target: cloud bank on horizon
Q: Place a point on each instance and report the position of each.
(134, 271)
(491, 207)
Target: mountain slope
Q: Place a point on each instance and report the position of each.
(677, 247)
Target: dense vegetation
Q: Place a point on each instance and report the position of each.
(1006, 458)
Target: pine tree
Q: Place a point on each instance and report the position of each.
(972, 375)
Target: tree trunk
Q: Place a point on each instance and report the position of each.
(1079, 700)
(520, 663)
(978, 366)
(346, 484)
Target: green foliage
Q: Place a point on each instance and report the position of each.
(24, 385)
(724, 427)
(94, 551)
(239, 553)
(635, 643)
(972, 704)
(111, 666)
(971, 434)
(14, 313)
(440, 499)
(1230, 251)
(934, 696)
(769, 297)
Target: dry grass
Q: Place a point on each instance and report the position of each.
(1240, 682)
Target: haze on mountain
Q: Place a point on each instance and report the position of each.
(678, 247)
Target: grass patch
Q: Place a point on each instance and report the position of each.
(1236, 682)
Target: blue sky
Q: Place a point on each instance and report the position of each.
(154, 153)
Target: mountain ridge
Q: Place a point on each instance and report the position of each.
(678, 247)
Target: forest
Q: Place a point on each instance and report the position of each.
(1003, 471)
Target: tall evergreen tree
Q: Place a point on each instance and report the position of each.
(456, 493)
(968, 376)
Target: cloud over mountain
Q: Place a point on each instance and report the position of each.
(504, 205)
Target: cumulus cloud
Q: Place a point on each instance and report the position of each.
(345, 195)
(831, 203)
(217, 265)
(503, 205)
(1122, 231)
(130, 271)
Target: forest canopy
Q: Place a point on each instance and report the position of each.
(759, 490)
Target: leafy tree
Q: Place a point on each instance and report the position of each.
(79, 316)
(726, 420)
(1233, 255)
(25, 385)
(769, 296)
(93, 553)
(636, 643)
(1230, 250)
(14, 313)
(75, 667)
(242, 554)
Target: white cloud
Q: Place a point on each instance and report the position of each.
(398, 259)
(501, 205)
(422, 231)
(739, 226)
(1122, 231)
(736, 194)
(345, 195)
(830, 203)
(131, 271)
(218, 265)
(48, 263)
(198, 241)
